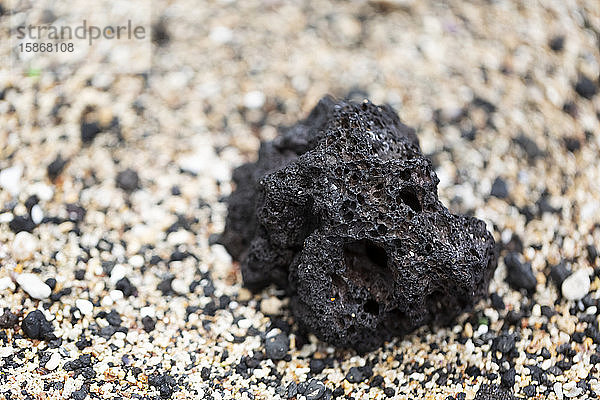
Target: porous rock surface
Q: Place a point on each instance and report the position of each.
(342, 211)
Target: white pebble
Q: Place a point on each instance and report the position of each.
(53, 362)
(6, 283)
(254, 99)
(576, 286)
(6, 217)
(85, 306)
(179, 286)
(558, 390)
(116, 295)
(118, 272)
(271, 306)
(37, 215)
(136, 261)
(10, 179)
(221, 34)
(482, 329)
(106, 301)
(34, 286)
(147, 312)
(24, 246)
(244, 323)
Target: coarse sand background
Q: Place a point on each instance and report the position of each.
(145, 305)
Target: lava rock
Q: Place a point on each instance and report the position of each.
(519, 274)
(342, 211)
(36, 326)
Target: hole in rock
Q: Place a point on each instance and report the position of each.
(371, 307)
(409, 198)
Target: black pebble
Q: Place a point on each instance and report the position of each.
(314, 390)
(545, 353)
(377, 381)
(8, 320)
(519, 274)
(504, 343)
(148, 323)
(559, 273)
(497, 302)
(529, 146)
(113, 318)
(125, 286)
(316, 365)
(389, 392)
(585, 87)
(89, 131)
(557, 43)
(164, 383)
(592, 253)
(51, 282)
(83, 342)
(36, 326)
(277, 346)
(128, 180)
(292, 390)
(508, 378)
(499, 189)
(205, 373)
(30, 202)
(529, 390)
(165, 286)
(56, 167)
(355, 375)
(595, 359)
(80, 274)
(572, 143)
(21, 223)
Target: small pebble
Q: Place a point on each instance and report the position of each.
(557, 387)
(179, 286)
(24, 246)
(37, 215)
(128, 180)
(314, 390)
(585, 87)
(85, 306)
(499, 189)
(254, 99)
(10, 179)
(34, 286)
(519, 274)
(7, 283)
(277, 346)
(576, 286)
(36, 326)
(271, 306)
(53, 362)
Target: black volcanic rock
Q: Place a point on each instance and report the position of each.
(342, 211)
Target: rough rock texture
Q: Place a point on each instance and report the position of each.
(342, 210)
